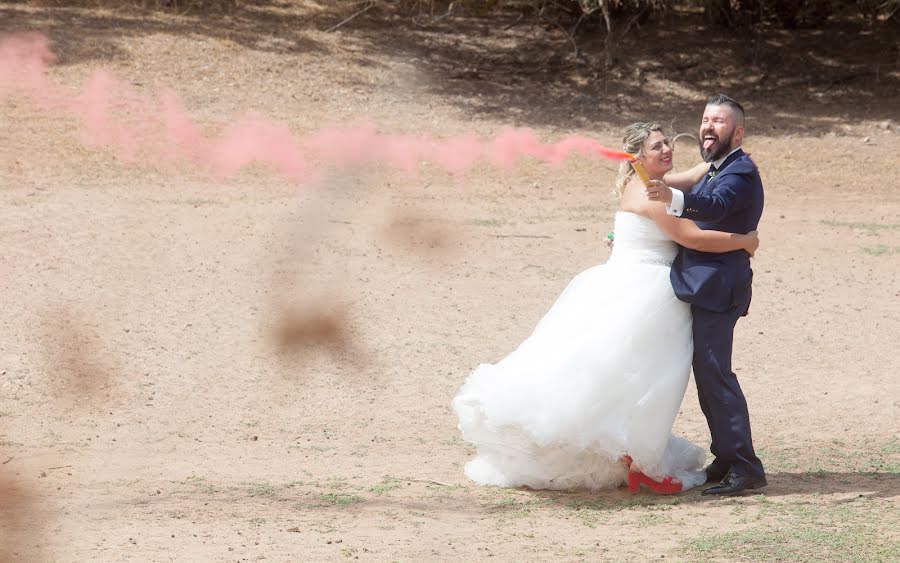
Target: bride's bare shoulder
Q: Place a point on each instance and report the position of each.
(633, 199)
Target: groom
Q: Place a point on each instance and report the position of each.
(728, 198)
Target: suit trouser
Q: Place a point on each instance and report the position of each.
(721, 398)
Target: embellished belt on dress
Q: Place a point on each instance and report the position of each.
(648, 260)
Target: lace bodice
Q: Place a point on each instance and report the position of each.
(639, 240)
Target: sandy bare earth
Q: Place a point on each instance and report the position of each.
(165, 396)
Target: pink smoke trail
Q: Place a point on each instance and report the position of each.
(160, 130)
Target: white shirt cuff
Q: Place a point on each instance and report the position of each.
(676, 207)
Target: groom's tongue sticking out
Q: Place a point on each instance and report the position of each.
(721, 131)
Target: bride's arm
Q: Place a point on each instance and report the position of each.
(686, 233)
(688, 178)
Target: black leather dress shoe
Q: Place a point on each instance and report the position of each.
(715, 473)
(733, 484)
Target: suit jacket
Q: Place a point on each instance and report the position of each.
(730, 201)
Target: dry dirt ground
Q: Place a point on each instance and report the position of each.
(157, 403)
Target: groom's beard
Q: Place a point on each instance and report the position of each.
(719, 149)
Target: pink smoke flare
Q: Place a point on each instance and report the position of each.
(159, 130)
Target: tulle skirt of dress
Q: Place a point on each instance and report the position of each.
(602, 375)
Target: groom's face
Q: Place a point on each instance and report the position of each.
(719, 132)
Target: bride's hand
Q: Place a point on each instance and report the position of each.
(657, 190)
(752, 242)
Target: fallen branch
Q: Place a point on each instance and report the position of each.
(430, 481)
(521, 236)
(562, 28)
(368, 7)
(518, 19)
(433, 20)
(9, 460)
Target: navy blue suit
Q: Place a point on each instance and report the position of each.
(718, 287)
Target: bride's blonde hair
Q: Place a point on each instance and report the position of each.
(635, 135)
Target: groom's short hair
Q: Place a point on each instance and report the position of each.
(723, 100)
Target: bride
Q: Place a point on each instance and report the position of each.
(582, 402)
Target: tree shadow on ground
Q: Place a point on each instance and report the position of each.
(860, 485)
(517, 67)
(800, 82)
(90, 34)
(869, 485)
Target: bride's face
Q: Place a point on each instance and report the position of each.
(657, 154)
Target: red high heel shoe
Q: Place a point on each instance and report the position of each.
(667, 486)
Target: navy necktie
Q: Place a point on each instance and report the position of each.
(706, 178)
(709, 176)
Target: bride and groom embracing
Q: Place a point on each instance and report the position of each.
(589, 399)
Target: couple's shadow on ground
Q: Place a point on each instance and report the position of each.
(870, 485)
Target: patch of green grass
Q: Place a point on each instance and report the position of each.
(881, 250)
(800, 543)
(485, 222)
(19, 202)
(201, 484)
(892, 447)
(820, 461)
(454, 441)
(806, 531)
(540, 219)
(782, 459)
(504, 504)
(656, 502)
(263, 489)
(336, 483)
(861, 225)
(340, 499)
(388, 483)
(591, 510)
(653, 519)
(591, 503)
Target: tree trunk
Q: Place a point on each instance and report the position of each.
(608, 42)
(717, 12)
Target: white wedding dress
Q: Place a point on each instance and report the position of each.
(602, 376)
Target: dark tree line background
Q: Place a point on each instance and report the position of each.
(579, 18)
(728, 13)
(834, 55)
(789, 14)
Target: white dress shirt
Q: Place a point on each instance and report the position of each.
(676, 206)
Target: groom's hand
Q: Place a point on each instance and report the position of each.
(657, 190)
(753, 245)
